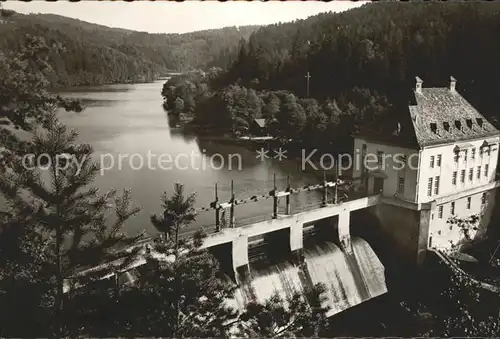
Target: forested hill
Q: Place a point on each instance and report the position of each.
(381, 47)
(363, 63)
(96, 54)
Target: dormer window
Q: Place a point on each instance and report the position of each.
(446, 126)
(434, 127)
(469, 123)
(480, 122)
(458, 124)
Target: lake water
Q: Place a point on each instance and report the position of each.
(128, 121)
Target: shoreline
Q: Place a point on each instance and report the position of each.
(295, 151)
(70, 87)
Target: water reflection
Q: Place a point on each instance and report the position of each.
(97, 103)
(97, 89)
(136, 125)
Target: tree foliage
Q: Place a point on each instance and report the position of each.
(302, 315)
(95, 54)
(54, 224)
(366, 59)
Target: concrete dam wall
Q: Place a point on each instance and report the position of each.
(350, 278)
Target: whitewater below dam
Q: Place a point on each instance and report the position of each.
(350, 279)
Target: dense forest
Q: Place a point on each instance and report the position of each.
(95, 54)
(362, 63)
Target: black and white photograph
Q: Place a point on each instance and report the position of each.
(249, 169)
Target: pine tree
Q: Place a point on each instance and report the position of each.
(52, 204)
(54, 224)
(302, 315)
(178, 212)
(181, 289)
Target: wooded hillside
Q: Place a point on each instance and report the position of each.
(363, 64)
(379, 46)
(96, 54)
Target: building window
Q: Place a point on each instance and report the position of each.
(438, 162)
(432, 161)
(440, 212)
(468, 202)
(436, 185)
(483, 199)
(452, 208)
(488, 151)
(473, 154)
(481, 152)
(465, 156)
(454, 178)
(401, 185)
(462, 176)
(380, 157)
(456, 157)
(486, 170)
(429, 187)
(404, 161)
(430, 241)
(471, 174)
(478, 174)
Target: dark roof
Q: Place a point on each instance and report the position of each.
(260, 122)
(436, 116)
(441, 115)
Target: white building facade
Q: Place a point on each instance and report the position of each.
(439, 166)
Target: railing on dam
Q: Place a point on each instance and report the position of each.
(337, 196)
(285, 221)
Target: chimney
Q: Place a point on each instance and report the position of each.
(397, 131)
(418, 87)
(453, 82)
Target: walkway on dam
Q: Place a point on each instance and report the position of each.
(333, 196)
(336, 198)
(348, 267)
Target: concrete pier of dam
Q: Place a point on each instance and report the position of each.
(293, 252)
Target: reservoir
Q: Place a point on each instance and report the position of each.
(127, 125)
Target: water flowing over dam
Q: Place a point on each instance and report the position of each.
(350, 278)
(291, 253)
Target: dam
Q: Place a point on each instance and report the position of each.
(350, 279)
(292, 252)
